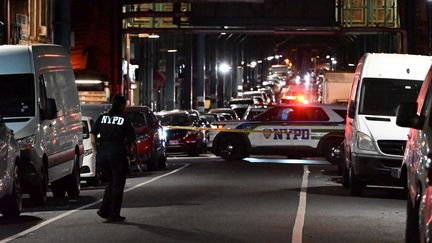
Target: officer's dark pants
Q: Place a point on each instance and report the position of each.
(114, 164)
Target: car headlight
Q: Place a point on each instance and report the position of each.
(364, 142)
(26, 143)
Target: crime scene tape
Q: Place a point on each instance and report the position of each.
(236, 130)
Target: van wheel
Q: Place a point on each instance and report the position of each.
(11, 205)
(356, 186)
(232, 148)
(38, 193)
(412, 233)
(73, 181)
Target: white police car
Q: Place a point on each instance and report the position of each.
(293, 130)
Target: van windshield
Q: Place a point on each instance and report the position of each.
(17, 94)
(382, 96)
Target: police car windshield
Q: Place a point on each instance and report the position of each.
(18, 95)
(381, 96)
(176, 120)
(294, 114)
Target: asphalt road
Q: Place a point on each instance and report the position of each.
(208, 200)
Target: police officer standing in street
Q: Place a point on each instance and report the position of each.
(116, 136)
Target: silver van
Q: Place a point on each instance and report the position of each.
(39, 102)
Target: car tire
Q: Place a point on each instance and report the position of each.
(11, 205)
(232, 148)
(153, 162)
(38, 193)
(356, 186)
(412, 233)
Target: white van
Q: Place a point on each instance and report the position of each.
(374, 144)
(39, 102)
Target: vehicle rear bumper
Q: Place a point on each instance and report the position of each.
(188, 148)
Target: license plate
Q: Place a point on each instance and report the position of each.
(173, 142)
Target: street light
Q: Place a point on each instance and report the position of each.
(224, 68)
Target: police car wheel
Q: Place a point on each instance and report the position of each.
(232, 148)
(412, 233)
(333, 150)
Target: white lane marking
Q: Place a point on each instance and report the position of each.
(301, 210)
(65, 214)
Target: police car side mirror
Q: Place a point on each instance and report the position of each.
(406, 116)
(351, 109)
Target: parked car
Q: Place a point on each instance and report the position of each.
(225, 110)
(40, 104)
(150, 137)
(416, 169)
(239, 109)
(211, 118)
(248, 101)
(90, 171)
(252, 112)
(10, 176)
(187, 139)
(374, 144)
(260, 95)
